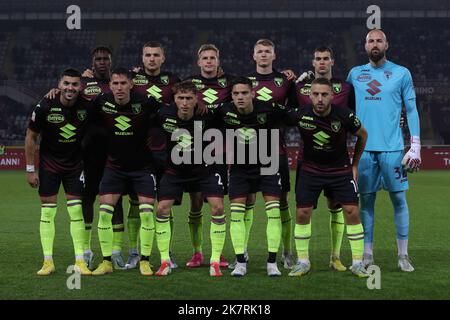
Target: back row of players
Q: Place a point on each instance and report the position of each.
(131, 168)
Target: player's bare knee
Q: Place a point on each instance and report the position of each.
(351, 214)
(303, 215)
(163, 210)
(217, 209)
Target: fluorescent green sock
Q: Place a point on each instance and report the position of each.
(273, 230)
(147, 232)
(171, 229)
(237, 227)
(286, 228)
(302, 235)
(118, 231)
(87, 236)
(105, 232)
(77, 229)
(248, 220)
(47, 227)
(355, 234)
(133, 224)
(217, 234)
(337, 231)
(163, 236)
(196, 230)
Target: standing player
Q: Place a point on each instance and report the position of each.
(343, 96)
(61, 123)
(94, 157)
(381, 88)
(151, 81)
(94, 151)
(326, 165)
(270, 85)
(126, 118)
(246, 118)
(212, 90)
(199, 179)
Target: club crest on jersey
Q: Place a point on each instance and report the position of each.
(222, 82)
(165, 79)
(387, 75)
(81, 114)
(337, 87)
(278, 81)
(306, 90)
(335, 126)
(261, 118)
(136, 108)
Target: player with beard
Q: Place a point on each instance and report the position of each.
(94, 82)
(326, 165)
(343, 96)
(381, 89)
(61, 123)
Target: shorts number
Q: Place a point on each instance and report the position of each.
(399, 173)
(279, 180)
(219, 178)
(354, 186)
(82, 177)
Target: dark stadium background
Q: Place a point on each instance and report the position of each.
(35, 45)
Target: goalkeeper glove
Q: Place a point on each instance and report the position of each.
(411, 161)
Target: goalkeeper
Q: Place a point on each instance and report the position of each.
(381, 88)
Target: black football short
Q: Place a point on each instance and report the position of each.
(49, 182)
(159, 159)
(142, 182)
(342, 188)
(284, 173)
(172, 186)
(242, 184)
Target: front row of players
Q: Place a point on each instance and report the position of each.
(127, 118)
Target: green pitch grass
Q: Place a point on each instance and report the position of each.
(21, 255)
